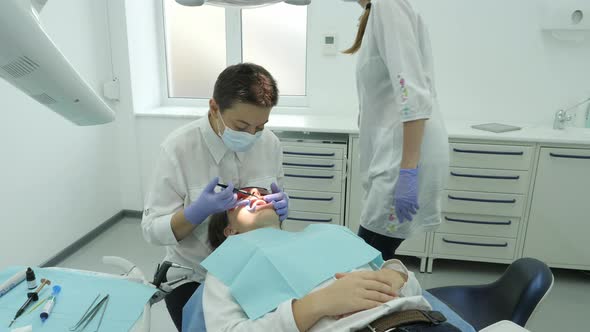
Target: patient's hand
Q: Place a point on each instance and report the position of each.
(351, 293)
(395, 279)
(356, 292)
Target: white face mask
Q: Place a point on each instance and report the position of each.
(238, 141)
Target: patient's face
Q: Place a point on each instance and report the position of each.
(258, 215)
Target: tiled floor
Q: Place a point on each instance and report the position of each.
(564, 310)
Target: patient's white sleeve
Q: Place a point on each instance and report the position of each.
(412, 286)
(224, 314)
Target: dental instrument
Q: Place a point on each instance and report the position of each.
(9, 284)
(81, 321)
(34, 296)
(40, 303)
(50, 303)
(91, 313)
(162, 271)
(102, 315)
(224, 186)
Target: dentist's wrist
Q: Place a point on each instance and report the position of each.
(194, 214)
(410, 171)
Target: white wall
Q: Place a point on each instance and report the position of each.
(58, 181)
(493, 63)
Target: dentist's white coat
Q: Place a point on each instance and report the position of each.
(189, 158)
(395, 80)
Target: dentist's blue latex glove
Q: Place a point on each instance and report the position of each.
(405, 197)
(211, 202)
(280, 201)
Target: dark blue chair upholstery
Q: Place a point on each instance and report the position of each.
(513, 297)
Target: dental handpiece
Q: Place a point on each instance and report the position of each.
(224, 186)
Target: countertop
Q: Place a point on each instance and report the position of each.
(530, 133)
(456, 129)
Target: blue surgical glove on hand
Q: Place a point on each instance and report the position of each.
(405, 198)
(280, 201)
(211, 202)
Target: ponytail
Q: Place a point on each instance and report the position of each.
(361, 32)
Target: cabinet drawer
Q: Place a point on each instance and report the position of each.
(416, 244)
(466, 202)
(298, 220)
(313, 201)
(469, 224)
(312, 163)
(474, 246)
(488, 180)
(316, 151)
(491, 156)
(314, 180)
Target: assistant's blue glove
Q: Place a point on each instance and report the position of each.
(280, 201)
(210, 202)
(405, 198)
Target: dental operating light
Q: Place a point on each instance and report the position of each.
(31, 62)
(242, 3)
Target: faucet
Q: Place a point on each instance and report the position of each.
(561, 117)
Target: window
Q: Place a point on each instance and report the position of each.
(202, 41)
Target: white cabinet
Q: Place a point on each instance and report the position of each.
(315, 173)
(493, 210)
(484, 203)
(416, 246)
(559, 224)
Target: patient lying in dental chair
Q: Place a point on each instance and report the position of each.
(321, 279)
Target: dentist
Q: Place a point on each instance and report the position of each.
(228, 146)
(404, 149)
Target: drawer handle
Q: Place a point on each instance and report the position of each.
(310, 154)
(310, 220)
(499, 201)
(557, 155)
(309, 165)
(312, 198)
(325, 177)
(503, 223)
(501, 153)
(476, 244)
(495, 177)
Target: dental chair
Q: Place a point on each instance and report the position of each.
(513, 297)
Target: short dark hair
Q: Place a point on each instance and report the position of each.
(245, 83)
(217, 224)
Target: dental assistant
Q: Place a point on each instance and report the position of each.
(404, 152)
(228, 146)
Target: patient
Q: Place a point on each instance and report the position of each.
(258, 214)
(349, 301)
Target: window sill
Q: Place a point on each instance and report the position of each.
(173, 112)
(192, 112)
(281, 119)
